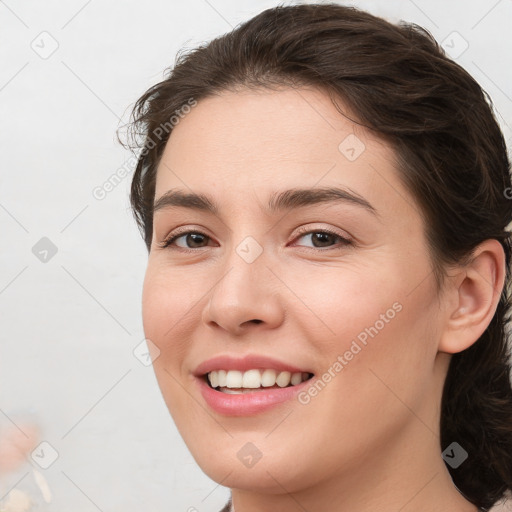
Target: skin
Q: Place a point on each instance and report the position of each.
(370, 439)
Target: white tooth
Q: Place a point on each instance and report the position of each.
(251, 379)
(296, 378)
(234, 379)
(214, 380)
(283, 379)
(268, 378)
(221, 378)
(254, 378)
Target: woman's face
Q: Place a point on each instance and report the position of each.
(357, 308)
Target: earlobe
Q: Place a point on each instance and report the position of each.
(473, 295)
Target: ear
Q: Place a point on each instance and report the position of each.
(473, 295)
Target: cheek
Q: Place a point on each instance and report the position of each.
(164, 309)
(167, 295)
(368, 323)
(164, 312)
(347, 304)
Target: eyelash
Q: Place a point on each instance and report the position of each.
(304, 231)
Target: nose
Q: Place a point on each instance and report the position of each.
(245, 295)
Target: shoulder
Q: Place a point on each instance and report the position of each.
(227, 507)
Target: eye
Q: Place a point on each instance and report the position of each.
(193, 237)
(319, 237)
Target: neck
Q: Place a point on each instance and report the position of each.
(407, 474)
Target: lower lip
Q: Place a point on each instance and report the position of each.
(247, 404)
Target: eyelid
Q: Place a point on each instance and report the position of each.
(180, 231)
(309, 229)
(303, 230)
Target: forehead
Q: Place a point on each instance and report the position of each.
(266, 140)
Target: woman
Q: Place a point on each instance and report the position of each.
(324, 198)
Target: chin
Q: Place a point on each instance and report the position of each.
(267, 475)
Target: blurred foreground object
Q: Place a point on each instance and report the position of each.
(16, 444)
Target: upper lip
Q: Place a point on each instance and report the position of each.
(248, 362)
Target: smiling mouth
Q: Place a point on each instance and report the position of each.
(237, 382)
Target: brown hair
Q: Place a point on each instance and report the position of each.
(450, 153)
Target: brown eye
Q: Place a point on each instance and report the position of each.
(193, 240)
(323, 238)
(320, 238)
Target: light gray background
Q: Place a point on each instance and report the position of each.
(70, 324)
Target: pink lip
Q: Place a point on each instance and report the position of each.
(249, 362)
(247, 404)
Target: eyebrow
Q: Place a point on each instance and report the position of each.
(279, 201)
